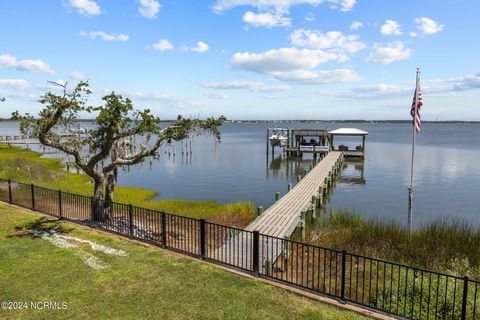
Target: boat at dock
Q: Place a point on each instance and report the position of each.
(278, 138)
(296, 142)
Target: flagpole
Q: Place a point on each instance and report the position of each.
(414, 133)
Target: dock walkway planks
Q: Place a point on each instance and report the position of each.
(280, 220)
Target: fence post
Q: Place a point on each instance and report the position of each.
(344, 267)
(60, 209)
(10, 197)
(163, 217)
(130, 217)
(256, 252)
(203, 232)
(464, 298)
(32, 189)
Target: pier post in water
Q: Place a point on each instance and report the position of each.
(314, 206)
(259, 210)
(289, 187)
(302, 217)
(277, 196)
(320, 195)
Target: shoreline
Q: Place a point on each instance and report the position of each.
(30, 167)
(314, 121)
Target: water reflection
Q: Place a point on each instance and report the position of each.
(288, 168)
(352, 173)
(447, 179)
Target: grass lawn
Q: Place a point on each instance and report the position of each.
(149, 283)
(27, 166)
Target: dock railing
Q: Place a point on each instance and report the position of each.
(388, 287)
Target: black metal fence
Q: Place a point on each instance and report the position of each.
(389, 287)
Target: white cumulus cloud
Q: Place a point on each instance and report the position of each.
(275, 12)
(437, 87)
(470, 82)
(394, 51)
(391, 27)
(428, 26)
(253, 86)
(293, 65)
(266, 19)
(85, 7)
(347, 5)
(10, 62)
(201, 47)
(105, 36)
(163, 45)
(224, 5)
(217, 95)
(317, 76)
(18, 84)
(334, 40)
(309, 17)
(77, 75)
(166, 100)
(149, 8)
(356, 25)
(283, 59)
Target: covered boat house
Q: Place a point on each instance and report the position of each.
(348, 150)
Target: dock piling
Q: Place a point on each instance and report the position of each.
(259, 210)
(314, 206)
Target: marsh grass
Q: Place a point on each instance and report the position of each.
(30, 167)
(446, 245)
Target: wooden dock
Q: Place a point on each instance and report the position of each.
(283, 217)
(24, 139)
(18, 139)
(281, 220)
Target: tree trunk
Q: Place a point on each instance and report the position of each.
(98, 189)
(109, 192)
(98, 212)
(110, 186)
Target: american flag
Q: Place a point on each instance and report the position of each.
(416, 119)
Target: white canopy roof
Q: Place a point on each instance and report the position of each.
(348, 132)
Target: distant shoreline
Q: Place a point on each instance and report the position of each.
(358, 121)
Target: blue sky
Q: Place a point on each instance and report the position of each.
(248, 59)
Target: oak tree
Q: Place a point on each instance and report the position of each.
(101, 150)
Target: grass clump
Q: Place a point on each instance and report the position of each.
(30, 167)
(444, 245)
(148, 283)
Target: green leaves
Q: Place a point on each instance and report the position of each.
(115, 120)
(103, 148)
(183, 128)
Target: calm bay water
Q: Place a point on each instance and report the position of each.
(447, 178)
